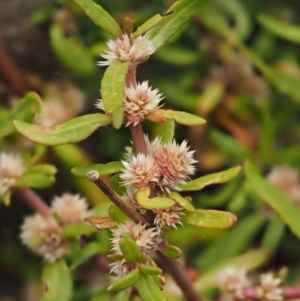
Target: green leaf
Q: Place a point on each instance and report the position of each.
(161, 115)
(149, 290)
(180, 13)
(282, 29)
(240, 237)
(102, 295)
(181, 201)
(215, 178)
(117, 215)
(57, 282)
(273, 234)
(75, 230)
(100, 17)
(248, 261)
(209, 219)
(152, 22)
(103, 169)
(87, 252)
(112, 87)
(154, 203)
(39, 176)
(130, 249)
(24, 110)
(5, 199)
(72, 131)
(165, 130)
(123, 295)
(273, 196)
(71, 52)
(126, 281)
(117, 117)
(171, 251)
(150, 270)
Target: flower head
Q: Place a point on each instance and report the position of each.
(43, 236)
(140, 101)
(147, 240)
(126, 49)
(140, 171)
(233, 280)
(165, 218)
(269, 287)
(70, 208)
(11, 169)
(175, 162)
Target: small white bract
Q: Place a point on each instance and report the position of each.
(269, 289)
(121, 268)
(43, 236)
(233, 280)
(287, 180)
(147, 240)
(11, 169)
(140, 101)
(126, 49)
(140, 171)
(70, 208)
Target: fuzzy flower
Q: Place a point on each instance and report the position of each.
(126, 49)
(175, 162)
(140, 171)
(140, 101)
(121, 268)
(269, 289)
(166, 218)
(233, 280)
(287, 180)
(147, 240)
(43, 236)
(70, 208)
(11, 169)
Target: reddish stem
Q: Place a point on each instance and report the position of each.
(33, 201)
(138, 138)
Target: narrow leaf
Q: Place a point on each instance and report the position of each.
(180, 13)
(149, 290)
(100, 17)
(71, 52)
(142, 197)
(126, 281)
(279, 201)
(130, 249)
(72, 131)
(36, 180)
(215, 178)
(102, 169)
(171, 251)
(161, 115)
(165, 130)
(209, 219)
(24, 110)
(57, 282)
(112, 86)
(150, 270)
(152, 22)
(75, 230)
(282, 29)
(117, 118)
(181, 201)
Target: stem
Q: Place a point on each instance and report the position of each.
(33, 200)
(180, 277)
(126, 207)
(131, 77)
(138, 138)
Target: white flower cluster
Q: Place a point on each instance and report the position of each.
(235, 281)
(165, 166)
(11, 169)
(147, 241)
(43, 235)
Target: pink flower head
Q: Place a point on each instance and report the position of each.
(130, 50)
